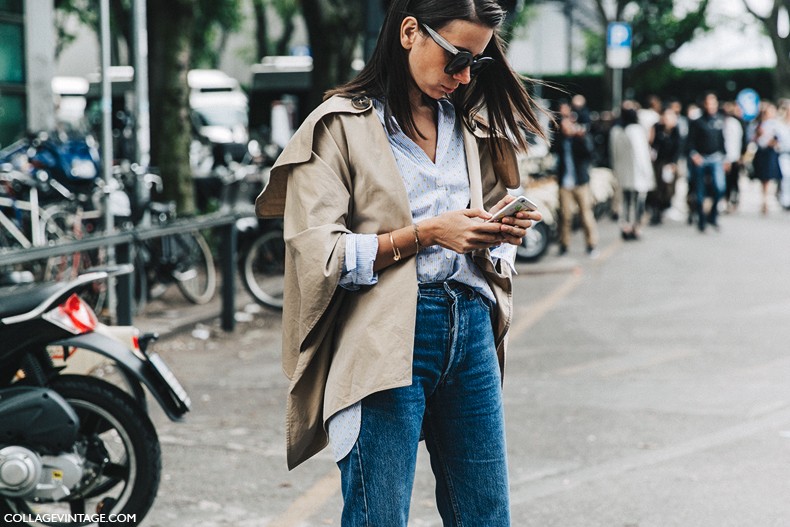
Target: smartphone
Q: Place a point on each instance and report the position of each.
(517, 205)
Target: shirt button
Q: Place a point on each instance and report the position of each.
(448, 255)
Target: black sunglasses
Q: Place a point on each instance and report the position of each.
(460, 60)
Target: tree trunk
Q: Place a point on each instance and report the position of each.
(285, 38)
(781, 73)
(170, 29)
(261, 30)
(334, 29)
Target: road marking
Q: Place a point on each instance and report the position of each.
(538, 310)
(310, 502)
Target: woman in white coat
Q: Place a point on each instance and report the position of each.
(632, 165)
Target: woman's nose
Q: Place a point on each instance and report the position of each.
(464, 76)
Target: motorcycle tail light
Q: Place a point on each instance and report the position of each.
(73, 315)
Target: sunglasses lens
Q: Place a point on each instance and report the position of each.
(459, 62)
(481, 64)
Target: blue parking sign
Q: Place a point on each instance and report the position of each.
(618, 45)
(618, 35)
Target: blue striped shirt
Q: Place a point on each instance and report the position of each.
(433, 188)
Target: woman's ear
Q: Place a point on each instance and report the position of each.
(409, 29)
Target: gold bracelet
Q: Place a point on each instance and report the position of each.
(417, 237)
(395, 250)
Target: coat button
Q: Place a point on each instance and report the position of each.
(361, 102)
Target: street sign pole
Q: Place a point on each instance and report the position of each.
(618, 57)
(617, 89)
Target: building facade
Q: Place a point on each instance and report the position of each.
(27, 65)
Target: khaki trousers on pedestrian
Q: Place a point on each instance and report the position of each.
(582, 196)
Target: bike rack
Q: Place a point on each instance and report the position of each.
(122, 242)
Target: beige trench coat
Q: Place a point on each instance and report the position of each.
(336, 176)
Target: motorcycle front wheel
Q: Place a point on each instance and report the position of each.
(535, 243)
(121, 456)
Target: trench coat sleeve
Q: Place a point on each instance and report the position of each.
(310, 187)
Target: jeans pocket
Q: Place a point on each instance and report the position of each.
(484, 302)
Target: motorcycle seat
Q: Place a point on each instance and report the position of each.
(22, 298)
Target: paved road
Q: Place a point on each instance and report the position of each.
(645, 388)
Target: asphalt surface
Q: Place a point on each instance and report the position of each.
(648, 388)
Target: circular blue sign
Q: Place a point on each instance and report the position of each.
(749, 102)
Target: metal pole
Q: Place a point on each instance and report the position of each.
(106, 142)
(617, 89)
(569, 50)
(142, 116)
(228, 251)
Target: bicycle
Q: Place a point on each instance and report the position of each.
(262, 260)
(183, 259)
(261, 255)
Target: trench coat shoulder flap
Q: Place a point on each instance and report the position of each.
(270, 203)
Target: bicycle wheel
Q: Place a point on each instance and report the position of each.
(263, 268)
(195, 274)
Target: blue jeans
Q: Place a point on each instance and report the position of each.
(714, 165)
(455, 401)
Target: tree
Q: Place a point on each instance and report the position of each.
(658, 31)
(170, 27)
(182, 34)
(334, 28)
(780, 41)
(287, 11)
(213, 20)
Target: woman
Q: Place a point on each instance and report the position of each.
(766, 134)
(633, 168)
(665, 144)
(397, 299)
(784, 153)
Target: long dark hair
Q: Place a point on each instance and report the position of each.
(498, 91)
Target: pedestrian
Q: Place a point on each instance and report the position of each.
(784, 152)
(397, 292)
(765, 134)
(707, 158)
(693, 112)
(665, 148)
(650, 113)
(573, 147)
(633, 168)
(734, 147)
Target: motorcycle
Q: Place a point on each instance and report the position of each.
(75, 450)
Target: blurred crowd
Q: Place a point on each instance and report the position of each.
(653, 145)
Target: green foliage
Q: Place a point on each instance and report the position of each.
(85, 11)
(213, 20)
(657, 31)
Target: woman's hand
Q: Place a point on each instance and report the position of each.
(513, 228)
(465, 230)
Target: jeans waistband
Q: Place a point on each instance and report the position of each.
(451, 288)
